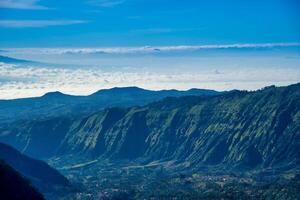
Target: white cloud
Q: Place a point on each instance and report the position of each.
(106, 3)
(22, 4)
(143, 49)
(153, 30)
(25, 81)
(37, 23)
(162, 30)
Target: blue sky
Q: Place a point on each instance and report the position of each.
(82, 46)
(90, 23)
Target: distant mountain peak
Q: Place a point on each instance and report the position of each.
(6, 59)
(126, 88)
(120, 89)
(54, 94)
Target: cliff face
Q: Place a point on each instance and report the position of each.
(245, 129)
(239, 128)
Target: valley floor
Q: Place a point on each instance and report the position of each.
(165, 180)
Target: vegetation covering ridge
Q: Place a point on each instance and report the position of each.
(227, 129)
(242, 128)
(235, 145)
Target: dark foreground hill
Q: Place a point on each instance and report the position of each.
(14, 187)
(40, 174)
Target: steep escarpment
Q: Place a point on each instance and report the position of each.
(245, 129)
(234, 129)
(37, 138)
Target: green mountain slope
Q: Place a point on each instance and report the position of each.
(244, 129)
(235, 129)
(235, 145)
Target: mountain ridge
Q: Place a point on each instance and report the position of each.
(7, 59)
(56, 104)
(238, 128)
(172, 120)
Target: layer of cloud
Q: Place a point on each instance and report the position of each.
(106, 3)
(143, 49)
(162, 30)
(22, 4)
(37, 23)
(25, 81)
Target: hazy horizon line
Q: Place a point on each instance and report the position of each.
(149, 48)
(142, 88)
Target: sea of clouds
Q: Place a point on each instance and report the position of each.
(146, 49)
(17, 81)
(82, 71)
